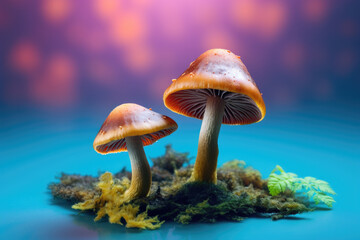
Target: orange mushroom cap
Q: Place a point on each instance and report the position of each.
(129, 120)
(217, 72)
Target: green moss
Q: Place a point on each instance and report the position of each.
(201, 202)
(240, 192)
(75, 188)
(171, 161)
(233, 164)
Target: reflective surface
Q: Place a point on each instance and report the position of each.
(314, 141)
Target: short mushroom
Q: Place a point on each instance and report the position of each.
(129, 127)
(216, 88)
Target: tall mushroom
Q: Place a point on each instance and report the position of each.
(129, 127)
(216, 88)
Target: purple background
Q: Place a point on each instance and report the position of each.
(96, 54)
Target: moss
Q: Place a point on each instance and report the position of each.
(233, 164)
(111, 203)
(201, 202)
(75, 188)
(234, 174)
(171, 161)
(240, 192)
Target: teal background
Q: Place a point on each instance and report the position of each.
(318, 141)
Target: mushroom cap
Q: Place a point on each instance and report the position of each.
(217, 72)
(129, 120)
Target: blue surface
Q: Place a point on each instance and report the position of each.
(317, 141)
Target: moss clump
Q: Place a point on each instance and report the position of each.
(111, 203)
(165, 166)
(240, 192)
(235, 174)
(74, 187)
(201, 202)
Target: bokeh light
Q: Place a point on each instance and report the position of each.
(315, 10)
(56, 10)
(25, 57)
(264, 19)
(61, 53)
(56, 85)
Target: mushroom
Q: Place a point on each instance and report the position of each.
(216, 88)
(129, 127)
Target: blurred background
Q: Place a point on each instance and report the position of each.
(58, 55)
(65, 64)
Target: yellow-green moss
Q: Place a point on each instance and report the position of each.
(111, 202)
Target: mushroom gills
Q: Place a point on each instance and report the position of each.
(239, 108)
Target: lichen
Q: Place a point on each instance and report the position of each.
(239, 193)
(111, 202)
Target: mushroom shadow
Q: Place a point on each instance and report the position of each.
(315, 208)
(268, 216)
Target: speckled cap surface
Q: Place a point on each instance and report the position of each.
(129, 120)
(217, 72)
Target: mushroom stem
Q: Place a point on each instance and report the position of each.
(206, 160)
(140, 169)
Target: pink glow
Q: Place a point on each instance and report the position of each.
(25, 57)
(245, 13)
(172, 27)
(56, 10)
(128, 28)
(315, 10)
(218, 38)
(263, 18)
(139, 58)
(272, 19)
(141, 4)
(55, 86)
(107, 9)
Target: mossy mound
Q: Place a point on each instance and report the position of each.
(201, 202)
(240, 192)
